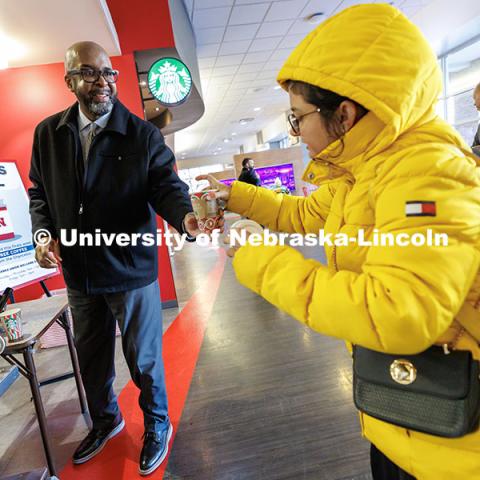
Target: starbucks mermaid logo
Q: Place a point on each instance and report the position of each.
(169, 81)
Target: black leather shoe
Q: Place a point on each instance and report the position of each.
(154, 451)
(94, 442)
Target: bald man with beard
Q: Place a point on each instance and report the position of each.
(96, 166)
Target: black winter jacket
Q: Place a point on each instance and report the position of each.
(249, 175)
(129, 177)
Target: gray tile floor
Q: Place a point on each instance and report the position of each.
(277, 420)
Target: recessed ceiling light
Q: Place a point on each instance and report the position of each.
(226, 140)
(215, 153)
(233, 134)
(257, 109)
(314, 18)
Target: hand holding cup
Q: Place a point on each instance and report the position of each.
(222, 191)
(208, 212)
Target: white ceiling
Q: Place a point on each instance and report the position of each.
(241, 45)
(45, 29)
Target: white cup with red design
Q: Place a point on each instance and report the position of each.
(207, 210)
(11, 323)
(249, 225)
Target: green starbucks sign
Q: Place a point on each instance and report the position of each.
(169, 81)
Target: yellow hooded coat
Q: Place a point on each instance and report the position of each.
(391, 299)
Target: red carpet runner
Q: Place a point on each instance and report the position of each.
(181, 346)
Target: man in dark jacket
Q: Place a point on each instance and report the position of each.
(97, 167)
(476, 140)
(248, 174)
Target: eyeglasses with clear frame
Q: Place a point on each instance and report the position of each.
(294, 120)
(91, 75)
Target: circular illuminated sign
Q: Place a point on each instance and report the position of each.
(169, 81)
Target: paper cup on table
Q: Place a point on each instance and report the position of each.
(11, 322)
(207, 210)
(247, 225)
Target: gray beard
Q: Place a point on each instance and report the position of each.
(100, 109)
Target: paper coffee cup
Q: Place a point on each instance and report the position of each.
(11, 322)
(249, 225)
(244, 225)
(207, 210)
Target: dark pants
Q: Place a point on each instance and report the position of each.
(139, 316)
(385, 469)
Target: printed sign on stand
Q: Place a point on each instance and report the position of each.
(18, 266)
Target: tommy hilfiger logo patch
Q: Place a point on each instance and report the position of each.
(420, 208)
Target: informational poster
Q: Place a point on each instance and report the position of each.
(18, 266)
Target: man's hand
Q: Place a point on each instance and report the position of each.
(48, 256)
(191, 225)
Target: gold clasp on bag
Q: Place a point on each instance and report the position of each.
(402, 371)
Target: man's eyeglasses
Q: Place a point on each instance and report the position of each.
(90, 75)
(294, 120)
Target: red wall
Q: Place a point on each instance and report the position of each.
(143, 24)
(31, 94)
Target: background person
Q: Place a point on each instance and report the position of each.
(248, 174)
(476, 140)
(376, 143)
(98, 166)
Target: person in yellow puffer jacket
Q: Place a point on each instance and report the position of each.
(363, 88)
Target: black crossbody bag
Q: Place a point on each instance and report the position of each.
(432, 392)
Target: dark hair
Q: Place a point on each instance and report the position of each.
(328, 102)
(245, 161)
